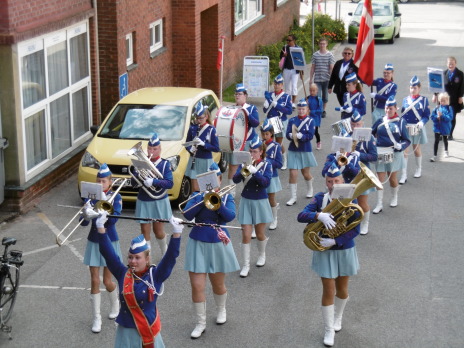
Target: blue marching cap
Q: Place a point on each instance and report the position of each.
(266, 126)
(414, 81)
(279, 79)
(200, 109)
(331, 170)
(390, 101)
(302, 102)
(154, 141)
(104, 171)
(388, 66)
(351, 77)
(239, 87)
(138, 244)
(255, 142)
(214, 168)
(356, 117)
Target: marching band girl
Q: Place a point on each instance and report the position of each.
(205, 140)
(334, 265)
(385, 88)
(316, 106)
(390, 131)
(209, 252)
(415, 111)
(353, 99)
(300, 157)
(274, 156)
(155, 208)
(442, 117)
(94, 259)
(140, 285)
(279, 104)
(254, 209)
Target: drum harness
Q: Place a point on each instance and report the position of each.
(385, 123)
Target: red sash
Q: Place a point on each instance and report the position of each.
(146, 331)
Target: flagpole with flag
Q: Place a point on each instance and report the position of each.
(365, 45)
(219, 64)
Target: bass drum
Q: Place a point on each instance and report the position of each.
(231, 124)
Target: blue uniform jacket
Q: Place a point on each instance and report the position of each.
(160, 274)
(308, 215)
(349, 171)
(253, 120)
(164, 167)
(380, 99)
(109, 225)
(308, 129)
(442, 125)
(274, 156)
(367, 151)
(358, 103)
(224, 214)
(283, 107)
(255, 188)
(398, 129)
(210, 138)
(315, 109)
(422, 107)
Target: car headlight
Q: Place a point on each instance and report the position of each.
(354, 24)
(89, 161)
(387, 24)
(174, 160)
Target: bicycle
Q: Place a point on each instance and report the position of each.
(9, 282)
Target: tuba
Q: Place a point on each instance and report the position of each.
(342, 210)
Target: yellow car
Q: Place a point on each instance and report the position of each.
(167, 111)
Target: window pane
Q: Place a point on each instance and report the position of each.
(36, 148)
(80, 112)
(79, 57)
(60, 125)
(157, 33)
(33, 78)
(57, 67)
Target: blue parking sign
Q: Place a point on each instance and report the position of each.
(123, 85)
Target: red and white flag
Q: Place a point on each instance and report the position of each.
(220, 58)
(365, 45)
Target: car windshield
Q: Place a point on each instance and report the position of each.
(141, 121)
(378, 9)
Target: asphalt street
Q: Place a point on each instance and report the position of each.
(408, 292)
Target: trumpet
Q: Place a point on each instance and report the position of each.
(212, 200)
(244, 171)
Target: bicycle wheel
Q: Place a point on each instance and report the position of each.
(8, 289)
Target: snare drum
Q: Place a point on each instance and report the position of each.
(342, 127)
(277, 124)
(231, 124)
(385, 154)
(413, 129)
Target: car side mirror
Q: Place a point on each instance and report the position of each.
(93, 129)
(397, 14)
(350, 13)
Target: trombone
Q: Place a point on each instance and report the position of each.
(106, 205)
(211, 200)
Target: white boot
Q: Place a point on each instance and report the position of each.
(292, 200)
(328, 316)
(284, 161)
(394, 198)
(221, 308)
(114, 304)
(262, 252)
(404, 172)
(365, 223)
(418, 172)
(163, 244)
(339, 308)
(253, 233)
(97, 319)
(378, 208)
(309, 184)
(200, 312)
(273, 224)
(246, 260)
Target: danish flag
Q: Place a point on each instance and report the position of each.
(365, 45)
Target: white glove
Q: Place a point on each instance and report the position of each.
(398, 146)
(327, 242)
(274, 103)
(338, 154)
(327, 220)
(148, 182)
(266, 104)
(373, 94)
(89, 214)
(252, 169)
(176, 224)
(299, 135)
(88, 205)
(198, 141)
(420, 124)
(102, 218)
(356, 153)
(290, 135)
(104, 196)
(349, 109)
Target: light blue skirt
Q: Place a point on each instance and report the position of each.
(421, 138)
(92, 256)
(274, 186)
(202, 257)
(155, 209)
(394, 166)
(127, 337)
(300, 160)
(335, 263)
(254, 211)
(201, 166)
(377, 114)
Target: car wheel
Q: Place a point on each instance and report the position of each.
(223, 163)
(185, 190)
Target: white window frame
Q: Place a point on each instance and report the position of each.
(249, 17)
(130, 50)
(154, 45)
(279, 2)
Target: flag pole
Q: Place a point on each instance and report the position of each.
(222, 67)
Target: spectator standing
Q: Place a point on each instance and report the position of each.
(289, 73)
(342, 68)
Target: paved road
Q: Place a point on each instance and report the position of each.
(408, 292)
